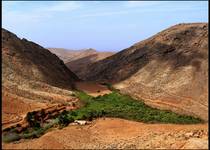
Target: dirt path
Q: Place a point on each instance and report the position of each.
(118, 133)
(93, 89)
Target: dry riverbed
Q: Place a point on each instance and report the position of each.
(92, 88)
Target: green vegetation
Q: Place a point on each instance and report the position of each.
(64, 119)
(32, 120)
(109, 105)
(10, 137)
(31, 132)
(121, 106)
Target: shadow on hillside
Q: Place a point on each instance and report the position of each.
(53, 70)
(111, 68)
(82, 61)
(80, 66)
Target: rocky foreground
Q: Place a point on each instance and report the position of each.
(110, 133)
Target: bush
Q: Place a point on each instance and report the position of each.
(34, 134)
(123, 106)
(64, 119)
(30, 117)
(11, 137)
(109, 105)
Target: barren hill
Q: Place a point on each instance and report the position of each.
(32, 77)
(63, 54)
(78, 60)
(168, 70)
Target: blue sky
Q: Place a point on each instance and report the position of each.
(105, 25)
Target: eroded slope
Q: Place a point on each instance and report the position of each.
(168, 70)
(32, 77)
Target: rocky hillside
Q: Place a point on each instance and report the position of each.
(31, 61)
(78, 60)
(168, 70)
(32, 77)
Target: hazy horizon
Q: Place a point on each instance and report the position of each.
(104, 26)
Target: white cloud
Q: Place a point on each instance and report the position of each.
(63, 6)
(9, 4)
(108, 13)
(15, 13)
(122, 8)
(131, 4)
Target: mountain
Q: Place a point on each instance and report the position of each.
(79, 60)
(32, 77)
(63, 54)
(168, 70)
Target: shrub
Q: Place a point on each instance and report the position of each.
(109, 105)
(123, 106)
(11, 137)
(64, 119)
(30, 117)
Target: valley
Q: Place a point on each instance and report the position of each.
(150, 95)
(79, 60)
(107, 132)
(169, 70)
(93, 88)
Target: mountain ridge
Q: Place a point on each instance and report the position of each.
(79, 60)
(167, 70)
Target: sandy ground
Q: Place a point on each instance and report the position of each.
(93, 89)
(118, 133)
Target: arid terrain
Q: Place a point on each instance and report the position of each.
(93, 89)
(47, 95)
(111, 133)
(168, 70)
(32, 78)
(79, 60)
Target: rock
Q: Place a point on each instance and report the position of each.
(196, 143)
(81, 122)
(74, 123)
(189, 134)
(177, 145)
